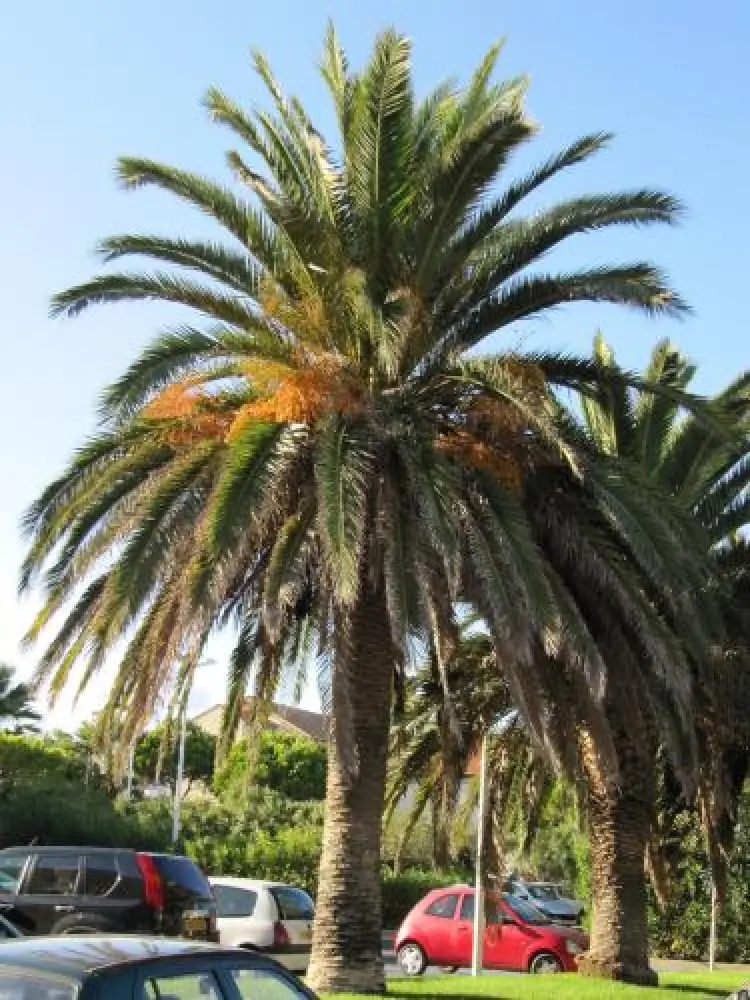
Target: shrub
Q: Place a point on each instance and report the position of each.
(402, 892)
(293, 766)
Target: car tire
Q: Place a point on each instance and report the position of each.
(544, 962)
(411, 959)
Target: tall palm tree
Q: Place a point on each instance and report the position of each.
(324, 461)
(705, 472)
(17, 713)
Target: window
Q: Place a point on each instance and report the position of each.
(265, 984)
(234, 902)
(102, 874)
(444, 906)
(192, 986)
(54, 875)
(293, 904)
(31, 986)
(526, 912)
(492, 912)
(11, 868)
(182, 874)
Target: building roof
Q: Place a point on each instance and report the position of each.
(285, 718)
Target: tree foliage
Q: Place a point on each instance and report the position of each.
(293, 766)
(17, 712)
(156, 754)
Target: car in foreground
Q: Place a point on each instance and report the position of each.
(124, 968)
(517, 936)
(269, 917)
(89, 890)
(547, 897)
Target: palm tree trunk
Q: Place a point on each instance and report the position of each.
(620, 814)
(347, 935)
(443, 815)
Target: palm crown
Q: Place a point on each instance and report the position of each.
(327, 409)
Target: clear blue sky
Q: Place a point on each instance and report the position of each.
(84, 81)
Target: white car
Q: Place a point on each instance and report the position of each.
(269, 917)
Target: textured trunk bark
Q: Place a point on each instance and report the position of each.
(445, 809)
(347, 935)
(620, 821)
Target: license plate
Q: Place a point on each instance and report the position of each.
(195, 925)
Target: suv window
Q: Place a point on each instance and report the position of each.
(54, 875)
(102, 874)
(11, 869)
(293, 904)
(444, 906)
(234, 902)
(182, 875)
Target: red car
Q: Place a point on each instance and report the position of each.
(518, 936)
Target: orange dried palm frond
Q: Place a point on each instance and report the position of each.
(192, 413)
(502, 463)
(178, 399)
(303, 397)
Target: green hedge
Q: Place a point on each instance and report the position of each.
(402, 892)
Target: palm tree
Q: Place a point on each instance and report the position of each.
(706, 473)
(325, 462)
(17, 714)
(434, 740)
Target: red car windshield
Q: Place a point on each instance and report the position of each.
(525, 911)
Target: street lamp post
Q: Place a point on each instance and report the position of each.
(177, 801)
(180, 775)
(502, 725)
(131, 768)
(712, 930)
(478, 935)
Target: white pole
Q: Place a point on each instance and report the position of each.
(131, 768)
(476, 944)
(176, 803)
(712, 934)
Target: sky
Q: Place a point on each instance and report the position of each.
(86, 81)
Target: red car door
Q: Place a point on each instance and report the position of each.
(436, 929)
(464, 933)
(512, 940)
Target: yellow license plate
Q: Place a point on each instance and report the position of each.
(196, 925)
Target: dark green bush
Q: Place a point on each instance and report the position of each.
(402, 892)
(681, 929)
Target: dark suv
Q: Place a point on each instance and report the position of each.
(91, 890)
